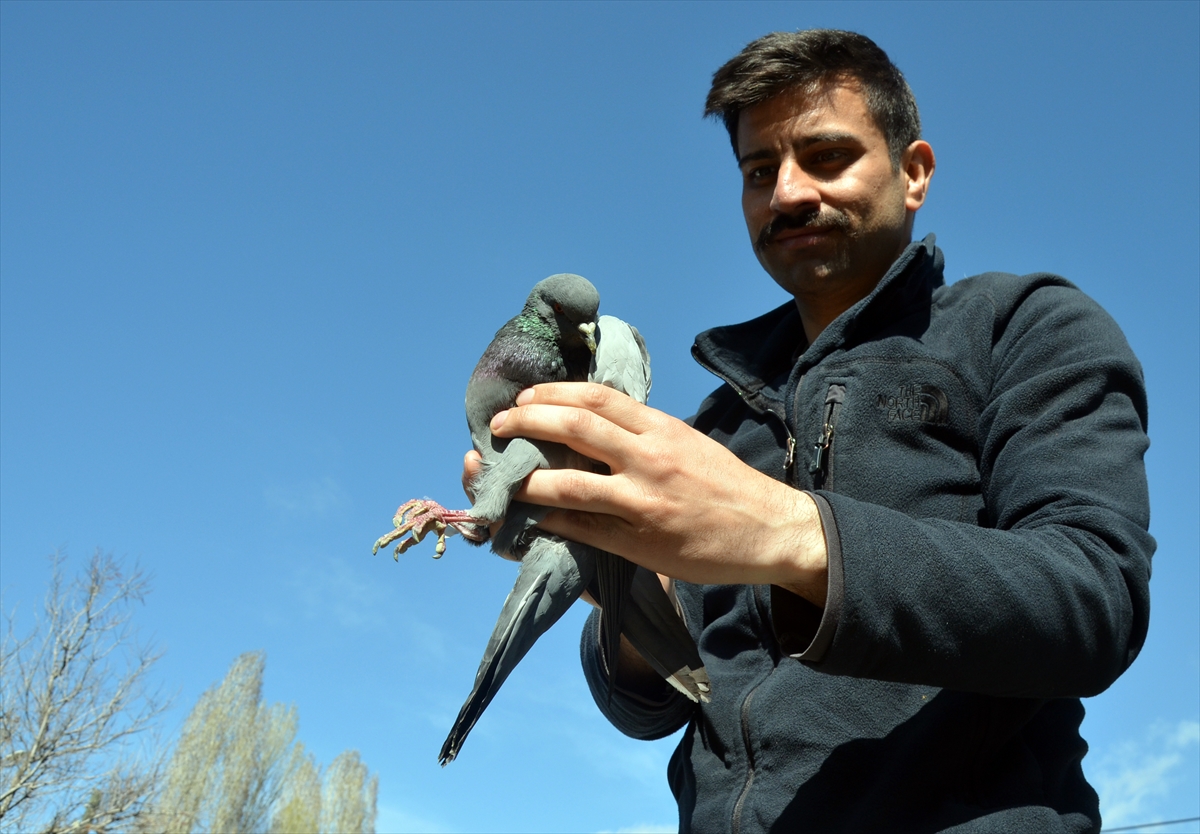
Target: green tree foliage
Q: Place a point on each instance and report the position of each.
(348, 798)
(238, 767)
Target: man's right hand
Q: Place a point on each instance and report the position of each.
(634, 674)
(472, 464)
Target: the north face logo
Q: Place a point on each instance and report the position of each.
(915, 404)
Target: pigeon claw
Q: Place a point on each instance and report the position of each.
(416, 519)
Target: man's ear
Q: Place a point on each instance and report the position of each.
(917, 165)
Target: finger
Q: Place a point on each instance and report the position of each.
(617, 408)
(574, 489)
(587, 433)
(606, 532)
(472, 465)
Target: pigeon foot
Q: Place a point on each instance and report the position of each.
(417, 518)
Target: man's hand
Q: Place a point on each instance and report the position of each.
(677, 502)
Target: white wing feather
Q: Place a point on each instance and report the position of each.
(621, 359)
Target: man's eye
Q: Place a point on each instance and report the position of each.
(763, 173)
(829, 157)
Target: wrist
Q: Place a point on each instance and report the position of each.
(801, 563)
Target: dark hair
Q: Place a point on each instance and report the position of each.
(807, 59)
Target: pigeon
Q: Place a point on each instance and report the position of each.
(556, 337)
(551, 340)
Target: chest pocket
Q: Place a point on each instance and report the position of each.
(901, 434)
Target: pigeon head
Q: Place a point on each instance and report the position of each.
(569, 304)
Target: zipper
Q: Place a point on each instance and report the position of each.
(759, 605)
(789, 459)
(759, 404)
(819, 468)
(741, 800)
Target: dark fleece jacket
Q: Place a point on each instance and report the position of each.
(976, 454)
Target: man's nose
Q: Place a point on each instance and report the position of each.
(795, 190)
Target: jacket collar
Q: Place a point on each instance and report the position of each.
(753, 354)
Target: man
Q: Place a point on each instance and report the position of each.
(909, 530)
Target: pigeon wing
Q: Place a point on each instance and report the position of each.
(621, 360)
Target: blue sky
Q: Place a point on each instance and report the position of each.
(249, 254)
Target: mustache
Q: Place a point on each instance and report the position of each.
(823, 218)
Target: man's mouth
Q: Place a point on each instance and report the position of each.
(800, 229)
(804, 235)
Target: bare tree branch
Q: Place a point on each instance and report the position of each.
(73, 699)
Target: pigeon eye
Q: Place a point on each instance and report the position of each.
(558, 308)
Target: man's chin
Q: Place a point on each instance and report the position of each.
(801, 274)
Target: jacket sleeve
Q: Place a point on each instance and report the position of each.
(1050, 597)
(633, 714)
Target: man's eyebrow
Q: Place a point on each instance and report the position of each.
(807, 141)
(830, 138)
(756, 155)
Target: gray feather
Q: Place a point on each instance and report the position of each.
(621, 360)
(552, 575)
(654, 625)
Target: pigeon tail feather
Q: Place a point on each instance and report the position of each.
(552, 576)
(655, 627)
(614, 581)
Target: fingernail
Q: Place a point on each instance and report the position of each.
(525, 397)
(499, 419)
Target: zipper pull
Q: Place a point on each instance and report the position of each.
(791, 454)
(819, 468)
(821, 452)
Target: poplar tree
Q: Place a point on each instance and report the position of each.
(239, 767)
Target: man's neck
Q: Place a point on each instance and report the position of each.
(817, 313)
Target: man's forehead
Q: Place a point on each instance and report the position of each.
(832, 107)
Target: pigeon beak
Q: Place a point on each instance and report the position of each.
(588, 329)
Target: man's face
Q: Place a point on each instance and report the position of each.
(826, 213)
